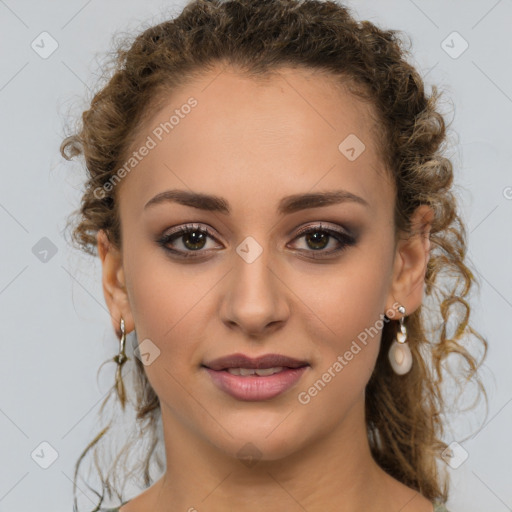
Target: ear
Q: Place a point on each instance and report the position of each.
(410, 266)
(113, 280)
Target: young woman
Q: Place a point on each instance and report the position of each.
(274, 216)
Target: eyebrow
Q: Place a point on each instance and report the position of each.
(287, 205)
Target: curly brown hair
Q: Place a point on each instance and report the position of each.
(403, 413)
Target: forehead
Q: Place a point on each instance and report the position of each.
(256, 140)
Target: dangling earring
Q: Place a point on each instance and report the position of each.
(120, 359)
(399, 353)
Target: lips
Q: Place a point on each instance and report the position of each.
(263, 362)
(255, 379)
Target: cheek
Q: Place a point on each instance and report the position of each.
(162, 293)
(171, 306)
(167, 312)
(344, 302)
(342, 314)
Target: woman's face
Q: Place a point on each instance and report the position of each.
(256, 285)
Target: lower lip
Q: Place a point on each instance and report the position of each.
(253, 387)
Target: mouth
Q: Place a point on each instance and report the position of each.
(261, 372)
(254, 379)
(265, 362)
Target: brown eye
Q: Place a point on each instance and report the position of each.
(191, 237)
(317, 238)
(194, 240)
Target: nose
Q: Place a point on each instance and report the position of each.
(254, 297)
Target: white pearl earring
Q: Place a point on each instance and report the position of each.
(399, 353)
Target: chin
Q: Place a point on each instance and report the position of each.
(251, 442)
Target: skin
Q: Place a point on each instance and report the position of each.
(252, 143)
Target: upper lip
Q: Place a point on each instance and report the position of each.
(265, 361)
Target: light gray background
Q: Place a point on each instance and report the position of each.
(56, 328)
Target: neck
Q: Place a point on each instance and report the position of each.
(335, 469)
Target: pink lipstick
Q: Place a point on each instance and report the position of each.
(254, 379)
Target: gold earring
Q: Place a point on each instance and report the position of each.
(399, 353)
(120, 359)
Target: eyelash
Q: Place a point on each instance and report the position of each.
(341, 237)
